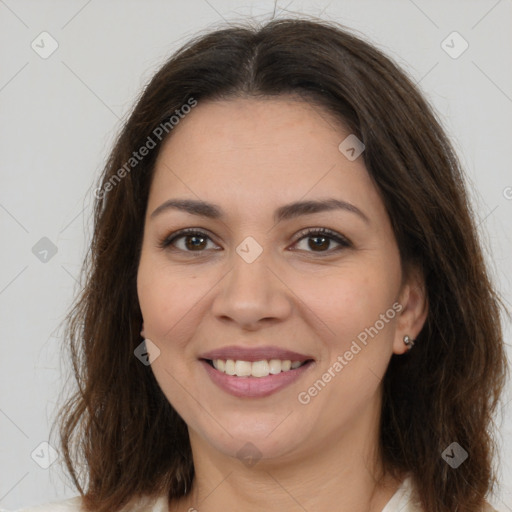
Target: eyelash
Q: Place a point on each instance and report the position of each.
(166, 243)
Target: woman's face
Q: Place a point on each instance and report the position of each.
(253, 286)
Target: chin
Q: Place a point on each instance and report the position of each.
(244, 438)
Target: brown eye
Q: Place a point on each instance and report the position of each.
(193, 241)
(319, 240)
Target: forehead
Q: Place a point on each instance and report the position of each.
(258, 151)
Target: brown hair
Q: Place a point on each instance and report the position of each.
(120, 436)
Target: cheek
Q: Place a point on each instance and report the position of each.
(357, 306)
(348, 301)
(168, 300)
(165, 297)
(174, 301)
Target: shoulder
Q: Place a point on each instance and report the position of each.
(406, 500)
(75, 505)
(69, 505)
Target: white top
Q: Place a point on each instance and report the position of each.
(402, 501)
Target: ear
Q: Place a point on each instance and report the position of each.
(412, 316)
(142, 331)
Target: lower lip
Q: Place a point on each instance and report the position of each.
(254, 387)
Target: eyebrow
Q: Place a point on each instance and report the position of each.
(285, 212)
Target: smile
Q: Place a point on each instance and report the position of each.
(255, 369)
(256, 379)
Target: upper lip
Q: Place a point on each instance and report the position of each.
(254, 354)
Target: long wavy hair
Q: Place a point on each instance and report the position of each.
(120, 437)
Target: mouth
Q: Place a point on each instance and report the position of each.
(254, 372)
(254, 379)
(258, 369)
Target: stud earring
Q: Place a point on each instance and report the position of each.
(409, 342)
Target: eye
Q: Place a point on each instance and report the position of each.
(195, 240)
(321, 238)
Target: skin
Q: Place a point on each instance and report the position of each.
(250, 156)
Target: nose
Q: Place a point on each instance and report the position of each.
(252, 294)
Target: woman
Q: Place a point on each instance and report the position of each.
(287, 306)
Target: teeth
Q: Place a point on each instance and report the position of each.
(275, 366)
(260, 368)
(243, 368)
(230, 367)
(255, 369)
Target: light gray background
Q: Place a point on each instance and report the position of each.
(59, 117)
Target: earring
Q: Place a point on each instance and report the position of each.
(409, 342)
